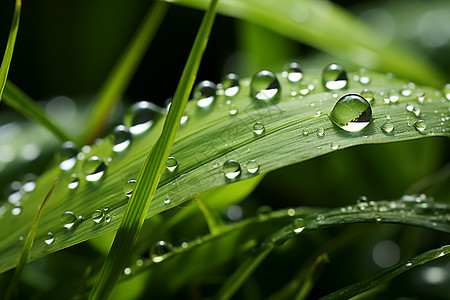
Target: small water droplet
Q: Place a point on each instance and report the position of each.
(258, 128)
(334, 145)
(231, 169)
(183, 120)
(351, 113)
(171, 164)
(305, 132)
(388, 127)
(377, 218)
(128, 187)
(141, 116)
(68, 155)
(446, 91)
(420, 125)
(230, 85)
(406, 92)
(298, 225)
(413, 109)
(334, 77)
(74, 182)
(122, 138)
(421, 97)
(408, 264)
(294, 72)
(94, 168)
(127, 271)
(167, 200)
(67, 219)
(252, 166)
(49, 238)
(205, 93)
(320, 132)
(367, 94)
(16, 210)
(160, 250)
(263, 211)
(233, 110)
(364, 80)
(108, 218)
(97, 216)
(265, 86)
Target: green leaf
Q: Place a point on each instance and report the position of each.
(6, 62)
(328, 27)
(150, 173)
(210, 138)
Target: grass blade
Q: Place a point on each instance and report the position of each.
(6, 62)
(21, 102)
(122, 73)
(151, 171)
(388, 274)
(12, 289)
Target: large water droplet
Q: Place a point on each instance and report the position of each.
(446, 91)
(97, 216)
(252, 166)
(258, 128)
(122, 138)
(420, 125)
(68, 218)
(294, 72)
(94, 168)
(230, 85)
(351, 113)
(388, 127)
(171, 164)
(68, 154)
(160, 250)
(141, 116)
(128, 187)
(265, 86)
(334, 77)
(231, 169)
(49, 238)
(205, 93)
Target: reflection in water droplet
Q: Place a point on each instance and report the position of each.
(320, 132)
(351, 113)
(230, 85)
(68, 155)
(334, 77)
(334, 145)
(258, 128)
(160, 250)
(67, 219)
(171, 164)
(265, 86)
(73, 184)
(205, 93)
(231, 169)
(367, 94)
(294, 72)
(94, 168)
(183, 120)
(388, 127)
(446, 91)
(420, 125)
(141, 116)
(364, 80)
(16, 210)
(128, 187)
(252, 166)
(414, 109)
(97, 216)
(233, 110)
(298, 225)
(50, 238)
(122, 138)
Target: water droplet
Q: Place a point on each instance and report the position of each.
(252, 166)
(320, 132)
(420, 125)
(334, 145)
(231, 169)
(364, 80)
(97, 216)
(367, 94)
(233, 110)
(446, 91)
(16, 210)
(305, 132)
(73, 184)
(265, 86)
(351, 113)
(127, 271)
(141, 116)
(387, 127)
(298, 225)
(334, 77)
(49, 238)
(294, 72)
(377, 218)
(160, 250)
(68, 218)
(167, 200)
(108, 218)
(94, 168)
(263, 211)
(205, 93)
(128, 187)
(408, 264)
(183, 120)
(406, 92)
(68, 155)
(171, 164)
(230, 85)
(421, 97)
(258, 128)
(414, 109)
(122, 138)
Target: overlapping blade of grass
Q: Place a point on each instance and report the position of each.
(210, 138)
(150, 173)
(329, 28)
(122, 73)
(21, 102)
(6, 62)
(386, 275)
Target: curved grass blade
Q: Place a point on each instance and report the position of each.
(6, 62)
(122, 73)
(329, 28)
(21, 102)
(388, 274)
(150, 174)
(12, 289)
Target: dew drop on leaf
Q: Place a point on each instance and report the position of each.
(252, 166)
(420, 125)
(16, 210)
(94, 168)
(68, 155)
(171, 163)
(265, 86)
(320, 132)
(122, 138)
(367, 94)
(258, 128)
(294, 72)
(413, 109)
(97, 216)
(205, 93)
(334, 145)
(160, 250)
(233, 110)
(67, 219)
(128, 187)
(334, 77)
(230, 85)
(351, 113)
(446, 91)
(387, 127)
(298, 225)
(141, 116)
(74, 182)
(49, 238)
(231, 169)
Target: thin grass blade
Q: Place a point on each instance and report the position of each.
(6, 62)
(151, 171)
